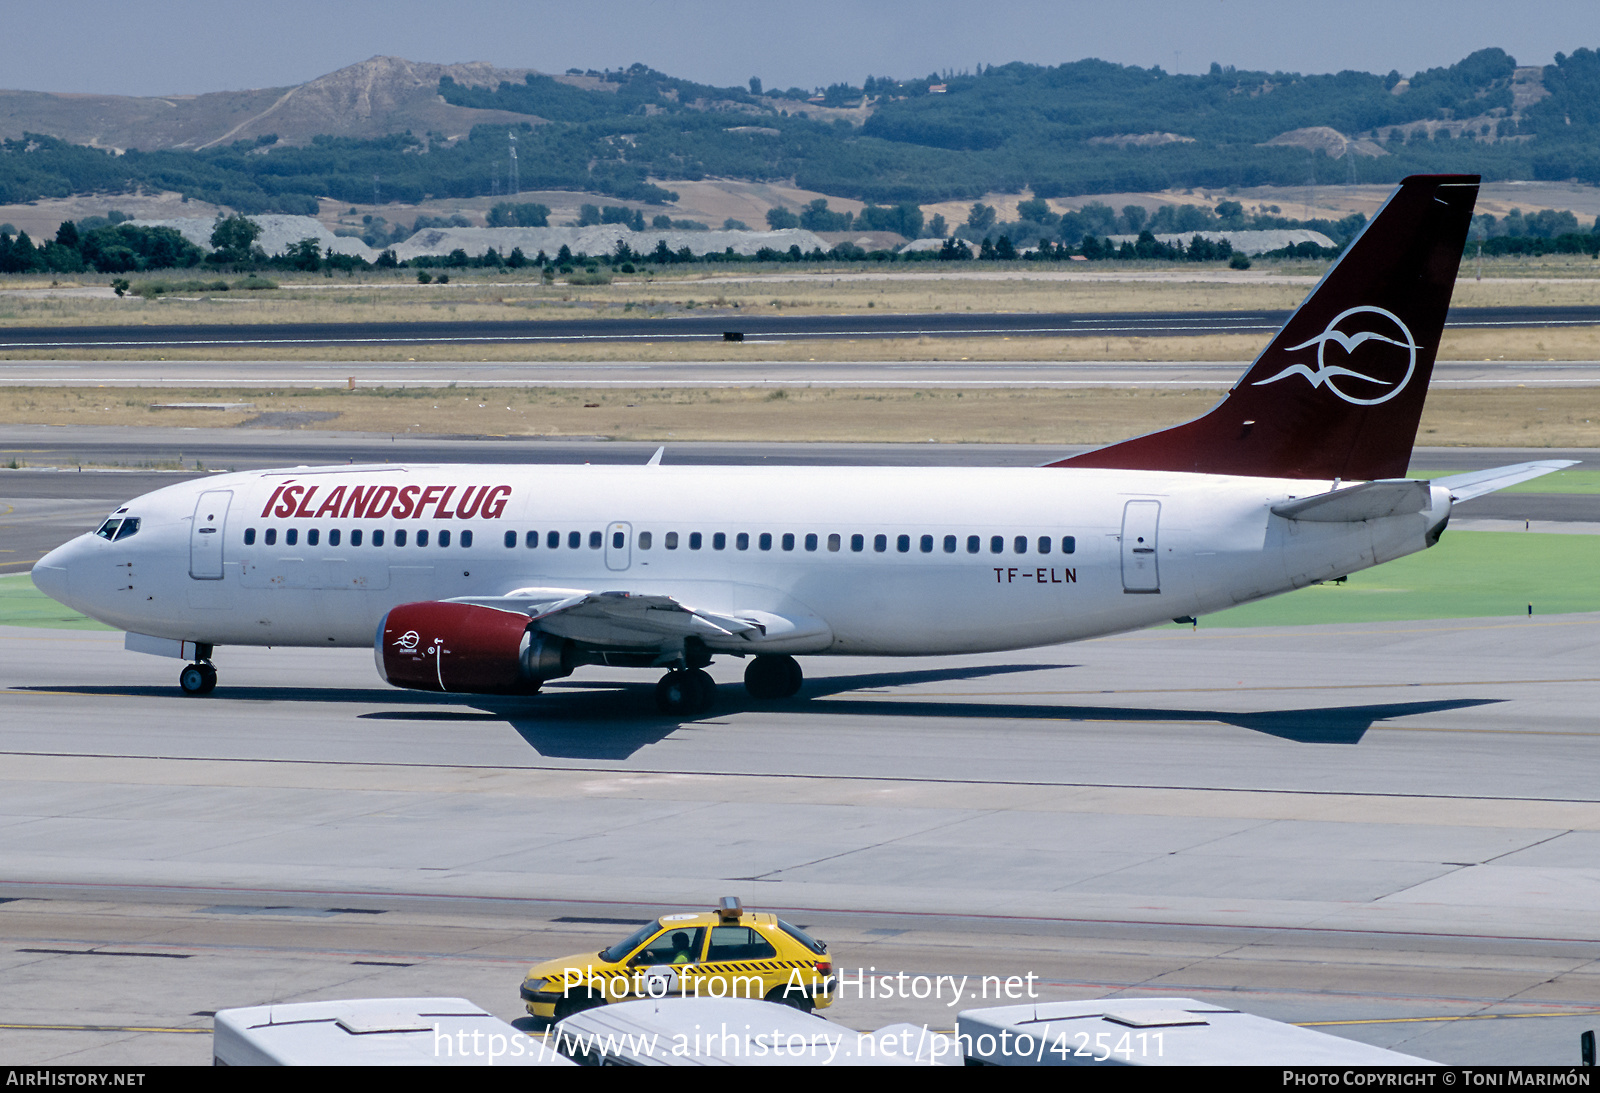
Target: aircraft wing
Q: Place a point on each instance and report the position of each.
(635, 620)
(1464, 487)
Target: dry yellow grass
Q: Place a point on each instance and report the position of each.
(1515, 417)
(486, 296)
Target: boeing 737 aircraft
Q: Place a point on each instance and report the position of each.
(494, 579)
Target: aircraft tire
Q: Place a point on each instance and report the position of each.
(704, 689)
(198, 679)
(770, 677)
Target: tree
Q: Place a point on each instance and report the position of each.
(779, 218)
(304, 255)
(233, 237)
(587, 215)
(523, 214)
(755, 85)
(980, 219)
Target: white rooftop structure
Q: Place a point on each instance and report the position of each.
(374, 1032)
(1153, 1032)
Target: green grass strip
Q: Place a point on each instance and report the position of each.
(1569, 481)
(21, 604)
(1470, 574)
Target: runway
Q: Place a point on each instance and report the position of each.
(1371, 823)
(713, 373)
(715, 327)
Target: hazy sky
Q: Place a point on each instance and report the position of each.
(177, 46)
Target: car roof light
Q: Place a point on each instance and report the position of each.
(729, 909)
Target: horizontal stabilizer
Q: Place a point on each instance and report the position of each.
(1368, 501)
(1464, 487)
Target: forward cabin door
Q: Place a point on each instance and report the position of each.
(205, 537)
(1140, 521)
(619, 546)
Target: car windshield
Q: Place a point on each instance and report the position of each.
(632, 942)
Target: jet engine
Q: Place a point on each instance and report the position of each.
(464, 648)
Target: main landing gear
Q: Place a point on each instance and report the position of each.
(692, 691)
(770, 677)
(685, 691)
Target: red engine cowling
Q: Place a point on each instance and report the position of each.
(464, 648)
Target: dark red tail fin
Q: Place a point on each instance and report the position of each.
(1338, 393)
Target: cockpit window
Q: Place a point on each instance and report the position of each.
(119, 528)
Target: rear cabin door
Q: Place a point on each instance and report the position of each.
(1140, 521)
(619, 546)
(205, 537)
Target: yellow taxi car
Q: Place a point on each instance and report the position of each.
(725, 953)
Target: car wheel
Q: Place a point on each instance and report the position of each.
(577, 1003)
(793, 998)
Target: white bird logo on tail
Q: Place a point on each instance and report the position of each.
(1328, 375)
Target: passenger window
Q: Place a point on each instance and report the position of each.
(902, 543)
(272, 536)
(719, 541)
(858, 543)
(927, 544)
(552, 540)
(973, 543)
(249, 536)
(645, 539)
(574, 540)
(742, 540)
(1069, 544)
(333, 537)
(291, 536)
(880, 543)
(377, 538)
(466, 538)
(811, 541)
(833, 542)
(1044, 544)
(788, 541)
(530, 539)
(949, 544)
(694, 540)
(312, 536)
(765, 542)
(730, 943)
(400, 537)
(997, 544)
(511, 539)
(444, 538)
(355, 537)
(596, 540)
(1020, 544)
(422, 537)
(617, 539)
(670, 540)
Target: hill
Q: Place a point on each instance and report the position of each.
(1086, 127)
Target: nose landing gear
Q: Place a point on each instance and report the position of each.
(199, 678)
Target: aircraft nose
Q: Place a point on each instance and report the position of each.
(50, 573)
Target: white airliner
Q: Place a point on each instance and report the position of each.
(494, 579)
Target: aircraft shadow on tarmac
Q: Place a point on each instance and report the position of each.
(605, 719)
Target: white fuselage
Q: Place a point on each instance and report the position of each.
(247, 559)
